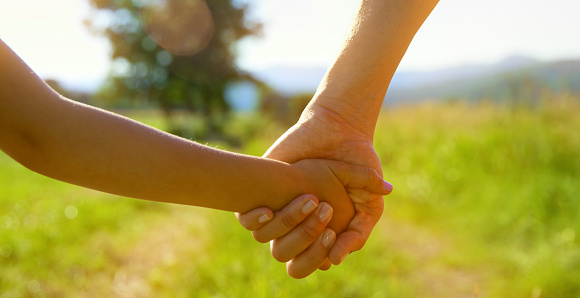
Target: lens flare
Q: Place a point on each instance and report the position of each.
(181, 27)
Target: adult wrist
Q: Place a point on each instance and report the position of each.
(342, 112)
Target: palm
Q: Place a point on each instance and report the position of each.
(330, 139)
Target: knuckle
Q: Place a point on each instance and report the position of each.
(359, 245)
(289, 222)
(310, 231)
(317, 255)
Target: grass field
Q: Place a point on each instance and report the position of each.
(485, 204)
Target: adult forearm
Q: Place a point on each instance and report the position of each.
(380, 33)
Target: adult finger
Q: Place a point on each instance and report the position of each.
(312, 258)
(347, 242)
(326, 265)
(359, 229)
(287, 219)
(254, 219)
(290, 245)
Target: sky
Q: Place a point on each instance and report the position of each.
(51, 38)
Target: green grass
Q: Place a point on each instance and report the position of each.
(485, 201)
(43, 248)
(504, 182)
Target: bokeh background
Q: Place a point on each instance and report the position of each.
(479, 134)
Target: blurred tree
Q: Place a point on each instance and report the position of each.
(274, 106)
(176, 54)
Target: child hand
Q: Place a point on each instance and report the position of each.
(344, 186)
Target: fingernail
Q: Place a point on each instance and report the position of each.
(328, 238)
(388, 186)
(308, 207)
(325, 212)
(264, 218)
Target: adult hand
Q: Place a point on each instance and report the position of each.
(307, 219)
(339, 122)
(321, 133)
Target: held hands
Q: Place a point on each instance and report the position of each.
(342, 185)
(334, 182)
(300, 227)
(320, 133)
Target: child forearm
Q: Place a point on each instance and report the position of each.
(93, 148)
(103, 151)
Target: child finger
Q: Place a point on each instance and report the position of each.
(347, 242)
(326, 265)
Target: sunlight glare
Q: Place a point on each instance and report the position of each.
(50, 37)
(180, 27)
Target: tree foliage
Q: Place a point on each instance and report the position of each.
(176, 54)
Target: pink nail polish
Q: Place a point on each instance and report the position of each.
(388, 186)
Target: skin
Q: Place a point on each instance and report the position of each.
(340, 120)
(93, 148)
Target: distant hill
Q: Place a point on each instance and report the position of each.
(515, 76)
(406, 79)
